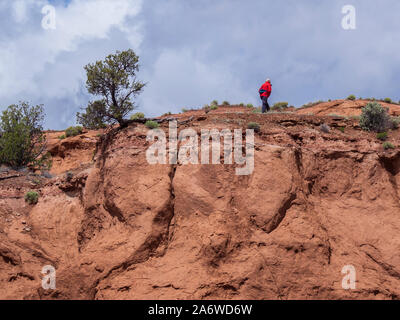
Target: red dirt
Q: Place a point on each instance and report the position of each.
(119, 228)
(72, 152)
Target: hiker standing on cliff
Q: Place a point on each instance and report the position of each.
(265, 92)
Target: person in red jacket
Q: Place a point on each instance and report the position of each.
(265, 92)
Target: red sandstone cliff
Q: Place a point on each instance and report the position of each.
(119, 228)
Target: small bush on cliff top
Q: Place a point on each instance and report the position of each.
(388, 145)
(214, 107)
(214, 103)
(387, 100)
(382, 136)
(137, 115)
(351, 97)
(280, 106)
(226, 103)
(395, 122)
(249, 105)
(254, 125)
(73, 131)
(32, 197)
(151, 124)
(374, 118)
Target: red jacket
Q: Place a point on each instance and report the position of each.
(265, 90)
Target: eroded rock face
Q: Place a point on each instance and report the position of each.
(124, 229)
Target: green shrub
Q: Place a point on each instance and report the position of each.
(137, 115)
(62, 137)
(36, 181)
(73, 131)
(167, 114)
(382, 136)
(254, 125)
(151, 124)
(280, 106)
(214, 107)
(395, 122)
(214, 103)
(184, 110)
(374, 118)
(226, 103)
(388, 145)
(249, 105)
(387, 100)
(32, 197)
(341, 129)
(22, 141)
(351, 97)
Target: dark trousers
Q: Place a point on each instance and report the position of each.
(265, 105)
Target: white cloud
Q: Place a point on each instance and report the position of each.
(192, 52)
(19, 11)
(40, 64)
(181, 79)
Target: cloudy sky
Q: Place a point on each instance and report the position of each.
(192, 52)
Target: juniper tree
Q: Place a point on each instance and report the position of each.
(22, 141)
(114, 79)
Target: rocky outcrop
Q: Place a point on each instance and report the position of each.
(125, 229)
